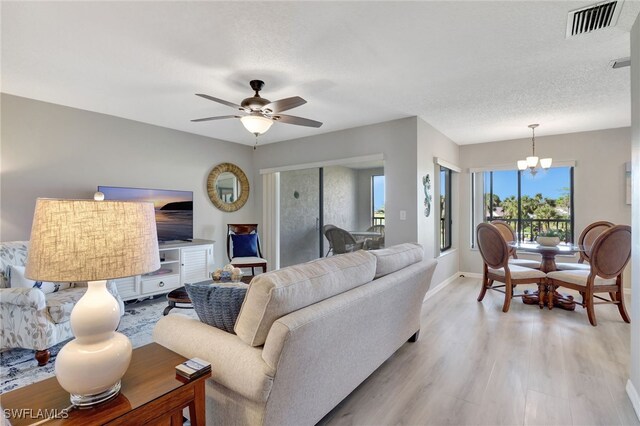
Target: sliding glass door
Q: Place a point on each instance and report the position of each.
(350, 197)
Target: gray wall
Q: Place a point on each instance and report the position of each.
(408, 145)
(341, 197)
(431, 144)
(396, 140)
(298, 233)
(54, 151)
(599, 185)
(635, 137)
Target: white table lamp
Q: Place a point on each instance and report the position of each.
(93, 241)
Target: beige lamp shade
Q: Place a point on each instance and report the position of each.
(87, 240)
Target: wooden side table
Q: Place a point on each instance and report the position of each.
(151, 393)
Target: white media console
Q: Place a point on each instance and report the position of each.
(180, 263)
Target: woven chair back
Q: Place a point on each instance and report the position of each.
(589, 236)
(493, 248)
(341, 241)
(611, 251)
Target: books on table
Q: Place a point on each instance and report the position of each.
(193, 367)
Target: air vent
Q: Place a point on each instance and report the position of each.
(594, 17)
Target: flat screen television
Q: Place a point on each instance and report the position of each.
(174, 209)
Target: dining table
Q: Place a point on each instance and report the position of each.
(548, 264)
(365, 234)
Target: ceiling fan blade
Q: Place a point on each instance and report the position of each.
(298, 121)
(221, 117)
(284, 104)
(220, 101)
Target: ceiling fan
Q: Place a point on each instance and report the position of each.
(257, 114)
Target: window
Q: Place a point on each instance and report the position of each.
(529, 203)
(445, 208)
(377, 200)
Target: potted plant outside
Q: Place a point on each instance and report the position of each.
(549, 238)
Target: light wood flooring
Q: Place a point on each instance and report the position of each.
(475, 365)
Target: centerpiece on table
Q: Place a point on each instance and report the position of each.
(227, 274)
(549, 238)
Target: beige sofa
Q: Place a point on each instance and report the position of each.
(307, 335)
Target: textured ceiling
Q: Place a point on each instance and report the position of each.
(477, 71)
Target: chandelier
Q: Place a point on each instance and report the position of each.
(531, 162)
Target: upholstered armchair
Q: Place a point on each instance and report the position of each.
(31, 318)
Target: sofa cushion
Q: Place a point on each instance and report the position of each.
(60, 304)
(17, 279)
(394, 258)
(217, 305)
(11, 253)
(274, 294)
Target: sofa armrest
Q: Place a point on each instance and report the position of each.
(31, 297)
(234, 364)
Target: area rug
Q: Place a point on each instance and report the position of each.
(18, 367)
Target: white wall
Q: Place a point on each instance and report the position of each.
(54, 151)
(599, 185)
(430, 144)
(634, 382)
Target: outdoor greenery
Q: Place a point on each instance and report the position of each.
(538, 212)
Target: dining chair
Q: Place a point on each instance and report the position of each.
(587, 238)
(495, 256)
(376, 242)
(609, 256)
(509, 235)
(342, 241)
(243, 246)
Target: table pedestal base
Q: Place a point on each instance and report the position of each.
(562, 301)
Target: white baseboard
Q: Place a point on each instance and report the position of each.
(634, 397)
(432, 291)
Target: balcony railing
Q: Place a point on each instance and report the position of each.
(378, 220)
(530, 228)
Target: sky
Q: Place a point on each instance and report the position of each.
(378, 192)
(158, 197)
(552, 183)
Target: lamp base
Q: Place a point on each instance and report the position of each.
(87, 401)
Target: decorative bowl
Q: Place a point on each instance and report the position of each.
(548, 241)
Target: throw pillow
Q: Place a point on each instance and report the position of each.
(217, 305)
(245, 245)
(18, 280)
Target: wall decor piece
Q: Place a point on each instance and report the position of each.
(627, 175)
(426, 183)
(228, 187)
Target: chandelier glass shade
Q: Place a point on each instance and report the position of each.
(531, 162)
(256, 123)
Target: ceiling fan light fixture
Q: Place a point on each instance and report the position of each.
(522, 165)
(532, 161)
(256, 123)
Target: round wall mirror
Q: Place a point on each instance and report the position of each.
(228, 187)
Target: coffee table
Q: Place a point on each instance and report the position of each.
(179, 298)
(151, 393)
